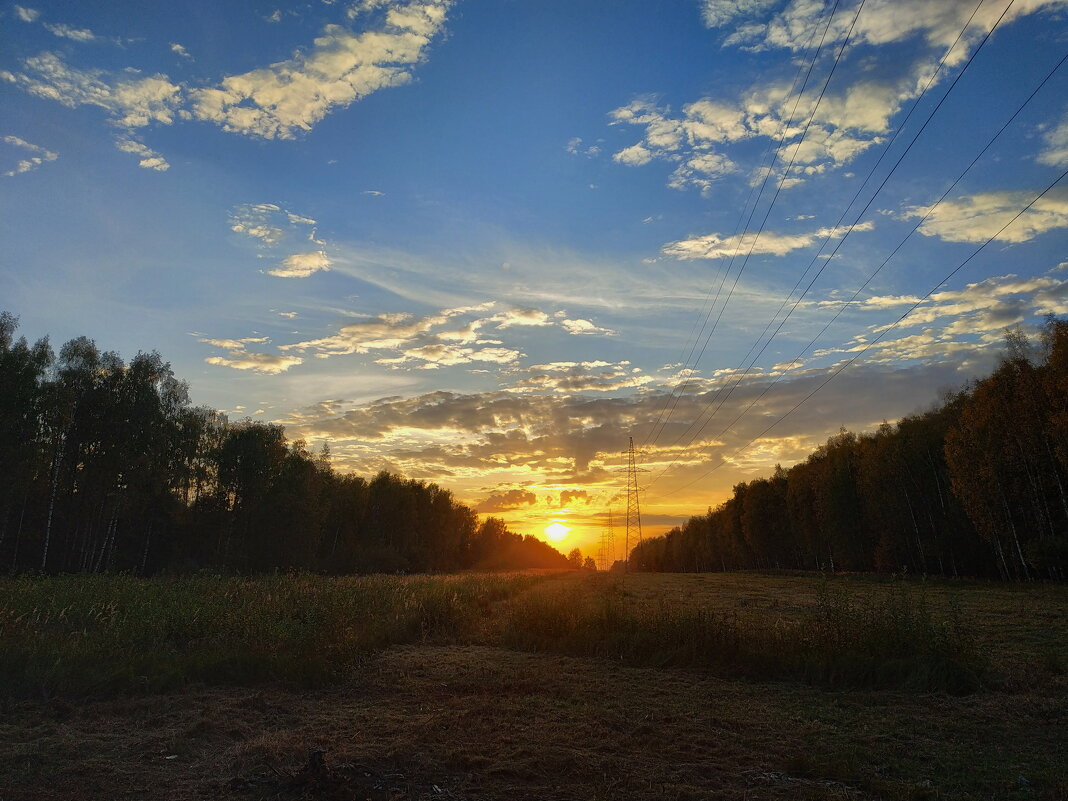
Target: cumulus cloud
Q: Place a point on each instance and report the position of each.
(290, 97)
(301, 265)
(881, 22)
(521, 317)
(150, 159)
(1055, 151)
(180, 50)
(382, 332)
(433, 356)
(69, 32)
(240, 358)
(576, 147)
(567, 496)
(580, 327)
(694, 139)
(976, 218)
(280, 100)
(36, 156)
(576, 439)
(853, 115)
(717, 13)
(570, 377)
(959, 320)
(447, 338)
(505, 501)
(714, 246)
(132, 102)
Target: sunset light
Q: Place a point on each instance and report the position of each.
(556, 531)
(503, 400)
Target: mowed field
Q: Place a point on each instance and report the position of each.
(562, 686)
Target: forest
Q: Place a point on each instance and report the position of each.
(107, 466)
(973, 487)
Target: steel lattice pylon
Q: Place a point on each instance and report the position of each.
(634, 513)
(606, 553)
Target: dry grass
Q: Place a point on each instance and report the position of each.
(481, 722)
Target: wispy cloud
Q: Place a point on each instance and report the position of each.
(853, 114)
(976, 218)
(70, 32)
(714, 246)
(290, 97)
(280, 101)
(301, 265)
(241, 358)
(1055, 140)
(150, 159)
(26, 14)
(37, 156)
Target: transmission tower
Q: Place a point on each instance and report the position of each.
(634, 514)
(606, 553)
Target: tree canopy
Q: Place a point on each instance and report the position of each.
(976, 486)
(108, 466)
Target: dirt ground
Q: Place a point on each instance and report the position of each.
(482, 723)
(435, 722)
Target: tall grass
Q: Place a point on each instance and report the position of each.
(879, 637)
(75, 635)
(93, 634)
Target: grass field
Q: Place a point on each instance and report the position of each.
(542, 687)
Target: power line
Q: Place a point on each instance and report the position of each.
(724, 394)
(778, 189)
(723, 397)
(901, 244)
(672, 399)
(881, 335)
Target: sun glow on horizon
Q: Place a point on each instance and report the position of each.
(556, 531)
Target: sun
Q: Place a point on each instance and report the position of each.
(557, 531)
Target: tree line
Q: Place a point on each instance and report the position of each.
(977, 486)
(107, 466)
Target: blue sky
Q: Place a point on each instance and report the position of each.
(483, 242)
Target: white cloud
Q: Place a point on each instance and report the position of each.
(713, 246)
(132, 102)
(849, 118)
(576, 148)
(1055, 152)
(38, 156)
(240, 358)
(717, 13)
(69, 32)
(521, 316)
(301, 265)
(633, 156)
(881, 22)
(579, 327)
(278, 101)
(956, 321)
(268, 223)
(433, 356)
(150, 159)
(27, 14)
(569, 377)
(288, 97)
(180, 50)
(976, 218)
(385, 331)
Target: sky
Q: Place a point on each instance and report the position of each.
(485, 243)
